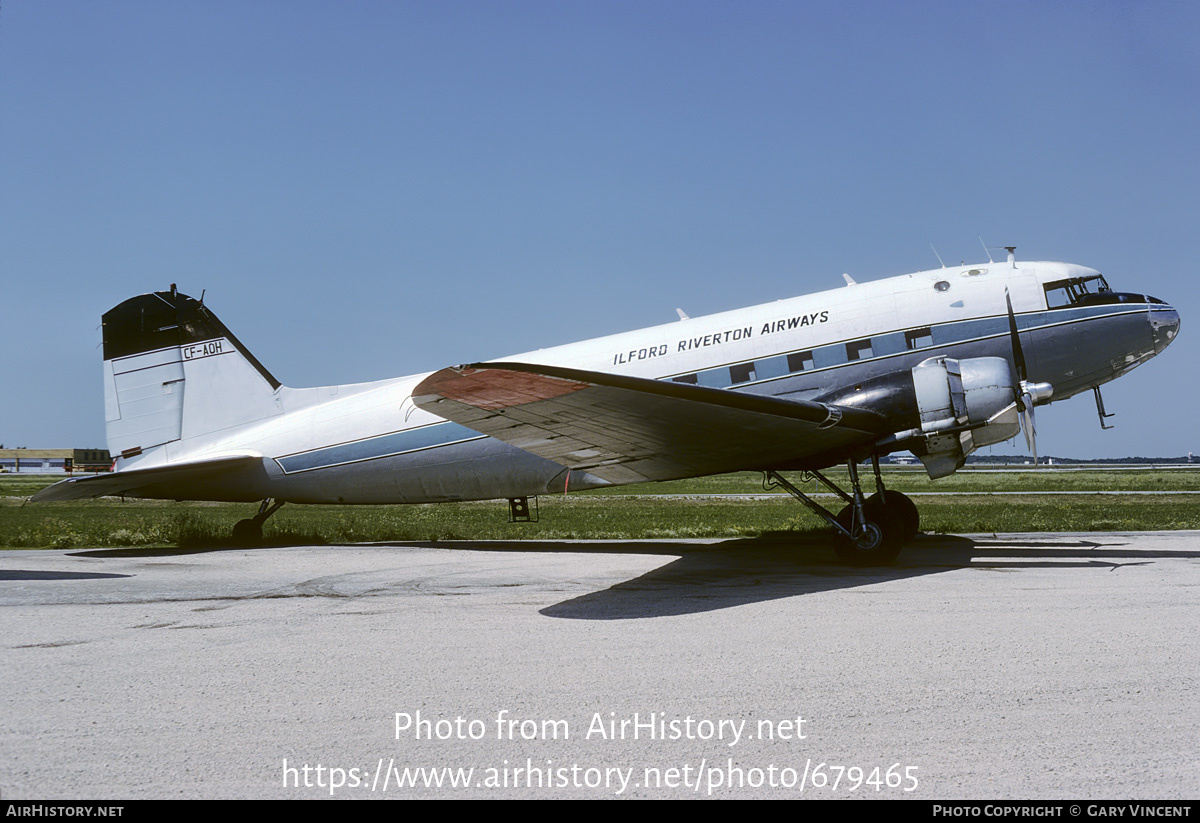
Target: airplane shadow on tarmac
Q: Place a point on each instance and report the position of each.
(737, 572)
(707, 577)
(39, 574)
(711, 576)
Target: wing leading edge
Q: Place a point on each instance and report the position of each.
(631, 429)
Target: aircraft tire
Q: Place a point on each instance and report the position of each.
(904, 509)
(879, 543)
(246, 532)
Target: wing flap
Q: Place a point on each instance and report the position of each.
(628, 429)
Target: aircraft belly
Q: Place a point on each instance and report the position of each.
(483, 469)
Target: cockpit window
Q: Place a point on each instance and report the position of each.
(1075, 291)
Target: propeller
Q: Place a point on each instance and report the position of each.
(1026, 394)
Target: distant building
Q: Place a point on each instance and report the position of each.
(54, 461)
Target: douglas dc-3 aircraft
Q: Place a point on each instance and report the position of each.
(939, 362)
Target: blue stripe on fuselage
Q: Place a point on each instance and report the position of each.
(833, 355)
(372, 448)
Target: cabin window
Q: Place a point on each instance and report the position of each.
(685, 378)
(918, 338)
(858, 350)
(942, 285)
(800, 361)
(741, 373)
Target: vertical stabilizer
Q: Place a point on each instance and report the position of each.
(172, 371)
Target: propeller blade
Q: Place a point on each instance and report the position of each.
(1029, 426)
(1018, 354)
(1024, 393)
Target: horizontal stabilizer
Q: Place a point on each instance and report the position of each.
(629, 429)
(143, 482)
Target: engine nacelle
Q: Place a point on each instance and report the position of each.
(943, 409)
(963, 404)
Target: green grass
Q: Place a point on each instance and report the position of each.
(966, 515)
(901, 479)
(915, 480)
(149, 523)
(611, 513)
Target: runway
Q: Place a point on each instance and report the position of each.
(1013, 666)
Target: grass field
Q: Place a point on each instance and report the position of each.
(967, 502)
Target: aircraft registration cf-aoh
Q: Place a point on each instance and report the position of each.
(938, 362)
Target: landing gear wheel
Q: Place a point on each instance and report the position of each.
(902, 507)
(247, 531)
(877, 541)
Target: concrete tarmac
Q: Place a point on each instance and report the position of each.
(982, 666)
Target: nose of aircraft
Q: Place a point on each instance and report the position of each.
(1164, 325)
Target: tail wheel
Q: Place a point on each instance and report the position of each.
(247, 532)
(902, 507)
(876, 542)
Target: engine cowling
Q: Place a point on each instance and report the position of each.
(943, 408)
(964, 404)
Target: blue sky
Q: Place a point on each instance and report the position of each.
(370, 189)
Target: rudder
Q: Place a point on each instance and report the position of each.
(173, 371)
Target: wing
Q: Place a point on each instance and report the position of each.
(175, 480)
(629, 429)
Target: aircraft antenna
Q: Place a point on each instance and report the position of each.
(938, 256)
(986, 250)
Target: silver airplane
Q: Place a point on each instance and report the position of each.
(938, 362)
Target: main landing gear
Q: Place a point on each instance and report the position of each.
(249, 531)
(870, 531)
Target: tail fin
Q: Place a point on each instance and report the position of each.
(172, 371)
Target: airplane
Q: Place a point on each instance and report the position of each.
(938, 362)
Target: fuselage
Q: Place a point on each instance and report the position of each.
(368, 443)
